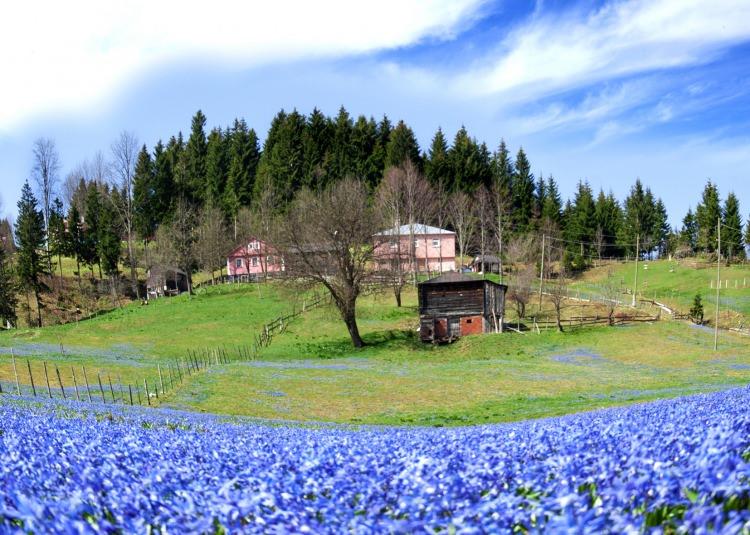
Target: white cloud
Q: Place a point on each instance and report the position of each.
(559, 52)
(72, 55)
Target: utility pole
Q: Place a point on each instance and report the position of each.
(718, 284)
(541, 274)
(637, 254)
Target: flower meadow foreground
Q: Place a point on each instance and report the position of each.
(70, 467)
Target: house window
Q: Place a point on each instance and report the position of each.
(393, 244)
(435, 243)
(269, 260)
(253, 245)
(255, 261)
(238, 262)
(416, 243)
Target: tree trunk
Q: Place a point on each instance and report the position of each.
(397, 294)
(133, 272)
(351, 325)
(38, 306)
(78, 273)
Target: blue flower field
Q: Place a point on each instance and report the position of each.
(678, 465)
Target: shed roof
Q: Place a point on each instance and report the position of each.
(488, 258)
(451, 276)
(417, 228)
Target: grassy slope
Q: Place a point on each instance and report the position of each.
(677, 284)
(312, 373)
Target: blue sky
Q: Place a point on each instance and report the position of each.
(601, 91)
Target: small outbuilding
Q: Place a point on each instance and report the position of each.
(164, 280)
(454, 305)
(485, 264)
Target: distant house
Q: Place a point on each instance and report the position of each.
(485, 264)
(454, 305)
(165, 281)
(417, 247)
(253, 259)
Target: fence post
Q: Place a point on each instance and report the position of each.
(15, 371)
(101, 388)
(46, 378)
(75, 383)
(130, 391)
(31, 378)
(148, 396)
(88, 389)
(161, 379)
(59, 380)
(122, 389)
(138, 393)
(111, 389)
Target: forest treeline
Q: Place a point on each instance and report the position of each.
(188, 201)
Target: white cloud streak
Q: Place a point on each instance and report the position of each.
(59, 56)
(550, 54)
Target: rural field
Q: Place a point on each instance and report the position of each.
(311, 373)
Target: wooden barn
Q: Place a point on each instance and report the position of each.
(165, 281)
(454, 305)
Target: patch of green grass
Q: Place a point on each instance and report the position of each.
(676, 283)
(312, 373)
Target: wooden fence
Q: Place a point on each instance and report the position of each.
(99, 387)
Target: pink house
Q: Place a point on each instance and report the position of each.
(420, 248)
(254, 258)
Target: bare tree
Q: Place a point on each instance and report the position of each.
(418, 206)
(44, 172)
(557, 292)
(326, 239)
(610, 291)
(522, 249)
(502, 206)
(213, 242)
(389, 251)
(484, 213)
(461, 214)
(124, 155)
(520, 292)
(175, 242)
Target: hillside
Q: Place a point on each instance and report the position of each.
(310, 372)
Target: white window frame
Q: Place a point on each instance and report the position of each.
(255, 261)
(238, 262)
(435, 243)
(253, 245)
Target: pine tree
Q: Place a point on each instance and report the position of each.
(194, 186)
(8, 299)
(662, 231)
(145, 204)
(689, 232)
(109, 246)
(638, 223)
(76, 239)
(31, 261)
(608, 223)
(281, 167)
(731, 233)
(552, 207)
(364, 139)
(402, 146)
(244, 154)
(523, 193)
(57, 236)
(316, 146)
(341, 160)
(92, 226)
(580, 229)
(163, 186)
(707, 215)
(217, 165)
(436, 165)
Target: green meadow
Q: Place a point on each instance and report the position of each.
(310, 372)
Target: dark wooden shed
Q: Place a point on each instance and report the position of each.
(164, 281)
(454, 305)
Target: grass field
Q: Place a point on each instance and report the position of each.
(676, 283)
(311, 372)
